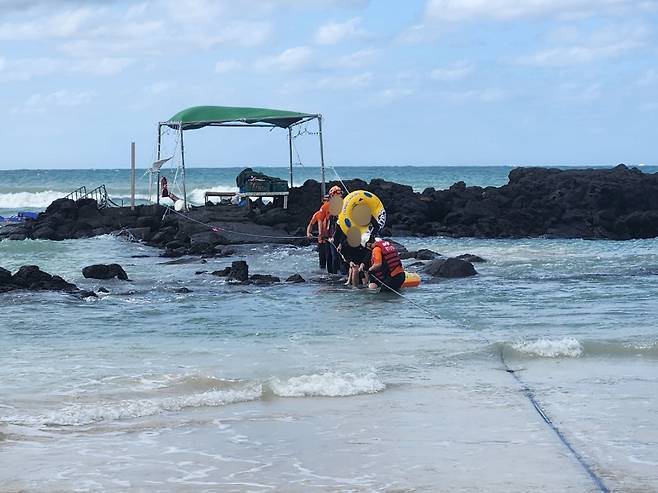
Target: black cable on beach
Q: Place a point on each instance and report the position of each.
(530, 395)
(527, 391)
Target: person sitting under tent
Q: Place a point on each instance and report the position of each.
(385, 265)
(164, 190)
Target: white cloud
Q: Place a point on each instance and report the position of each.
(454, 72)
(596, 46)
(290, 60)
(23, 69)
(60, 25)
(487, 95)
(392, 94)
(356, 59)
(582, 93)
(464, 10)
(358, 81)
(648, 78)
(226, 66)
(40, 103)
(334, 32)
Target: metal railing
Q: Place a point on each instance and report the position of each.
(99, 194)
(78, 193)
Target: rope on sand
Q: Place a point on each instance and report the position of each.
(528, 392)
(530, 395)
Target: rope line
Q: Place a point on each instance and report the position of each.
(218, 229)
(530, 395)
(527, 391)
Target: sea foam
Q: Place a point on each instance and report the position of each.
(86, 414)
(29, 200)
(329, 384)
(549, 348)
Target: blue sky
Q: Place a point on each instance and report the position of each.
(419, 82)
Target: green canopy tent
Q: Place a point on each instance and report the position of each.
(229, 116)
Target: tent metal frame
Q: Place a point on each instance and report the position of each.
(180, 127)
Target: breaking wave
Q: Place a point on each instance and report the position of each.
(548, 348)
(87, 414)
(570, 347)
(327, 384)
(173, 393)
(29, 200)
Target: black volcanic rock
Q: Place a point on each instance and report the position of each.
(105, 271)
(450, 268)
(32, 278)
(239, 271)
(295, 278)
(618, 203)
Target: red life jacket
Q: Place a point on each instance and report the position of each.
(390, 258)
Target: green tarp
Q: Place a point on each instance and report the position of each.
(202, 116)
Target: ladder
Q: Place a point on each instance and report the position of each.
(99, 194)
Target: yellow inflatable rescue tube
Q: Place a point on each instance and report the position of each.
(360, 213)
(411, 280)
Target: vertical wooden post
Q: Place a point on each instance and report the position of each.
(132, 176)
(182, 160)
(324, 186)
(157, 185)
(290, 154)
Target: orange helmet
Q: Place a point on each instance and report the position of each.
(335, 190)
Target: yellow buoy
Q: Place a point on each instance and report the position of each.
(361, 212)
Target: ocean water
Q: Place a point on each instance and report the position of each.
(308, 387)
(35, 189)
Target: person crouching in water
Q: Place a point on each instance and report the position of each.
(359, 261)
(385, 265)
(320, 218)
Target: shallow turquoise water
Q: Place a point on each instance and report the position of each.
(315, 388)
(145, 369)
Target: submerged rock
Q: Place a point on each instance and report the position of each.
(264, 279)
(32, 278)
(295, 278)
(239, 271)
(469, 257)
(222, 273)
(105, 271)
(425, 254)
(450, 268)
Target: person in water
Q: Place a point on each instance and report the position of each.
(359, 260)
(335, 261)
(320, 218)
(385, 265)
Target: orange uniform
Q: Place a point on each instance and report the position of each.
(378, 258)
(320, 218)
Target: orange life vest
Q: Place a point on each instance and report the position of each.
(390, 259)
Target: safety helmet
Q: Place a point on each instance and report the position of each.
(335, 190)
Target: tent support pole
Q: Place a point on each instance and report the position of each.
(157, 185)
(182, 161)
(324, 186)
(290, 153)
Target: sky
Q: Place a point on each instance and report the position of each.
(414, 82)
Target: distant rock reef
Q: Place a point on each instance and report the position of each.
(617, 204)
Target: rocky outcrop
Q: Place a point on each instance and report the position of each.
(32, 278)
(239, 271)
(618, 203)
(105, 271)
